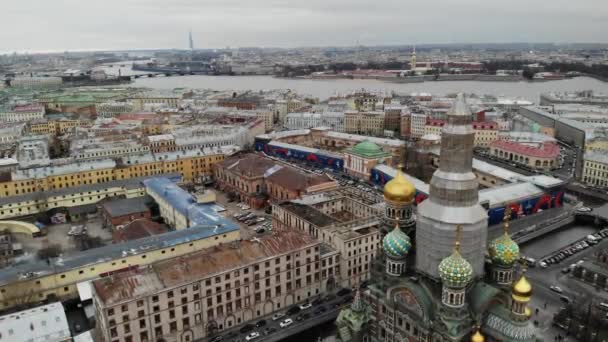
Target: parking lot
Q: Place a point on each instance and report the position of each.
(258, 223)
(57, 234)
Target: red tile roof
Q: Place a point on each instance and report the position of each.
(546, 150)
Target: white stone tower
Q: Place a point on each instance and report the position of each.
(453, 200)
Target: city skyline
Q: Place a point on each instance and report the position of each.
(114, 25)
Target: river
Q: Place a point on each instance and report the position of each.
(326, 88)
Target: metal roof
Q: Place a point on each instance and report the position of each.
(42, 324)
(507, 193)
(185, 203)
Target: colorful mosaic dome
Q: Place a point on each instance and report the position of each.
(396, 244)
(504, 251)
(455, 271)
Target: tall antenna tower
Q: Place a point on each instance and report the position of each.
(190, 40)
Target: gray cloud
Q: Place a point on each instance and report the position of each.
(121, 24)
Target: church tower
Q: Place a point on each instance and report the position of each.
(453, 201)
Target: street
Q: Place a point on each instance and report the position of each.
(270, 330)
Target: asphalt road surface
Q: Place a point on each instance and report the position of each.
(270, 330)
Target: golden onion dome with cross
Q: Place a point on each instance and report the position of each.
(399, 189)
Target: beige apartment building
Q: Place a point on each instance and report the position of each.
(595, 168)
(366, 123)
(345, 224)
(187, 298)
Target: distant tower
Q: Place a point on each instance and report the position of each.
(413, 59)
(190, 41)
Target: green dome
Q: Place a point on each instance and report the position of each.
(368, 149)
(396, 244)
(455, 271)
(504, 251)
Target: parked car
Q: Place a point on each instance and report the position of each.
(252, 336)
(584, 209)
(260, 323)
(556, 289)
(305, 306)
(278, 315)
(285, 323)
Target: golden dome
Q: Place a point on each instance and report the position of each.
(399, 189)
(477, 337)
(522, 290)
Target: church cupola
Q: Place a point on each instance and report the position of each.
(456, 273)
(504, 252)
(396, 245)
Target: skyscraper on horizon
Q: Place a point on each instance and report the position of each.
(190, 40)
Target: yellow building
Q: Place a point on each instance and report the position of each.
(597, 145)
(191, 165)
(39, 202)
(595, 168)
(366, 123)
(485, 132)
(55, 127)
(268, 117)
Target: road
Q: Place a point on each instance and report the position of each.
(548, 302)
(270, 331)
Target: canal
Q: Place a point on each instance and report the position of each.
(557, 239)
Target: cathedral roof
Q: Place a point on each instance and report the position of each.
(396, 244)
(504, 251)
(502, 327)
(399, 189)
(455, 271)
(522, 290)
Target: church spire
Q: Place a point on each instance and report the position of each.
(357, 305)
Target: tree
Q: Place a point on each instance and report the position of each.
(50, 251)
(527, 73)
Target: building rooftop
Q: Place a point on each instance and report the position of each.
(249, 165)
(294, 180)
(544, 150)
(94, 256)
(597, 157)
(41, 324)
(506, 193)
(185, 203)
(199, 265)
(138, 229)
(126, 206)
(310, 214)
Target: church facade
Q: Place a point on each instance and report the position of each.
(431, 282)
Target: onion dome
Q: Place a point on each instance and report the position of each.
(454, 270)
(399, 189)
(504, 251)
(396, 243)
(522, 290)
(477, 337)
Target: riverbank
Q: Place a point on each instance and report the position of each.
(325, 88)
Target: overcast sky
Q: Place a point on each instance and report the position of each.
(35, 25)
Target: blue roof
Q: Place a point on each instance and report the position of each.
(184, 203)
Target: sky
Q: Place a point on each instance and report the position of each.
(58, 25)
